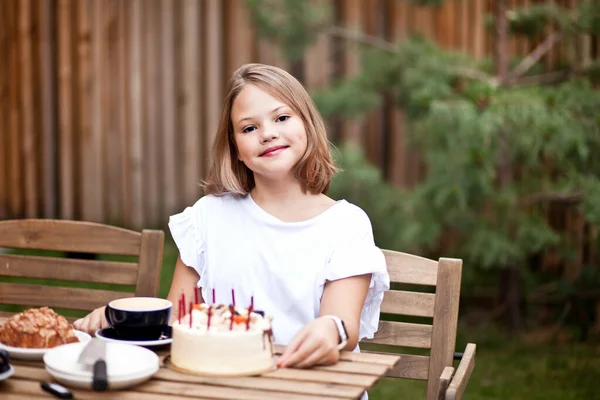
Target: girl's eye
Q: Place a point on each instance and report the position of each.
(249, 129)
(282, 118)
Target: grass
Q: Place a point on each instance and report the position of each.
(517, 369)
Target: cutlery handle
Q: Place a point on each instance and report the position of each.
(100, 378)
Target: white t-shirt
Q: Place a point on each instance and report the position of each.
(234, 244)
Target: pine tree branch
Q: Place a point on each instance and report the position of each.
(536, 55)
(389, 47)
(542, 197)
(360, 37)
(541, 79)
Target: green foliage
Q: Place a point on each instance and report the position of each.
(363, 184)
(495, 155)
(292, 24)
(533, 20)
(589, 17)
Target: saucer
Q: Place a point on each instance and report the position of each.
(19, 353)
(110, 335)
(7, 374)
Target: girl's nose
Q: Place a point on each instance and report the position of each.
(269, 132)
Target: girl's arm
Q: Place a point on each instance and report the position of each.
(185, 279)
(317, 342)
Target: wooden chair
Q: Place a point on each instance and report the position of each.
(77, 237)
(443, 381)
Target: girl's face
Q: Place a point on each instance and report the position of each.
(270, 137)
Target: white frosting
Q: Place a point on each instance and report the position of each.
(224, 349)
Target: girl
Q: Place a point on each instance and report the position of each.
(266, 229)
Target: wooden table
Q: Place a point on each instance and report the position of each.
(347, 379)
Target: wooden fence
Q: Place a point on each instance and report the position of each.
(108, 107)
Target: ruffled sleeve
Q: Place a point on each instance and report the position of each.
(358, 255)
(185, 229)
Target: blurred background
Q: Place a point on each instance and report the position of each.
(465, 128)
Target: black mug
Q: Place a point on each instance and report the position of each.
(4, 361)
(139, 318)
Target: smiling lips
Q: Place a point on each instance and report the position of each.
(273, 151)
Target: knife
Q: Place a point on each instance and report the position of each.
(94, 353)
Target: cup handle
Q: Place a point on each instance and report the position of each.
(5, 366)
(107, 317)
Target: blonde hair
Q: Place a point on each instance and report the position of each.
(227, 174)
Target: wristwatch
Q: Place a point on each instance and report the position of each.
(342, 332)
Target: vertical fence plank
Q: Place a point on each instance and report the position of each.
(85, 85)
(47, 71)
(28, 145)
(479, 34)
(214, 67)
(444, 28)
(150, 130)
(398, 14)
(96, 176)
(191, 90)
(65, 114)
(123, 20)
(4, 113)
(373, 138)
(136, 74)
(14, 130)
(351, 15)
(317, 59)
(169, 121)
(110, 159)
(239, 38)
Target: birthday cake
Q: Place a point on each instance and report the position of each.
(221, 340)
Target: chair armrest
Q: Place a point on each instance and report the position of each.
(459, 382)
(445, 379)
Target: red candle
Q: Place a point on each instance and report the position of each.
(249, 311)
(179, 311)
(232, 297)
(213, 292)
(195, 295)
(191, 305)
(232, 310)
(209, 314)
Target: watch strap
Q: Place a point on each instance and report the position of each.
(342, 333)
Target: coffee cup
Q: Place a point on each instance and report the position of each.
(139, 318)
(4, 361)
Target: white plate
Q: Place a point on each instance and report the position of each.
(19, 353)
(123, 362)
(78, 382)
(7, 374)
(145, 343)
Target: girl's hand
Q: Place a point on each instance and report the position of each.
(92, 322)
(315, 344)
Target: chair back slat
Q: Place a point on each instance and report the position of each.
(402, 334)
(68, 269)
(75, 236)
(411, 269)
(57, 296)
(401, 302)
(409, 367)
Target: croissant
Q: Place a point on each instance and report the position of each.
(37, 328)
